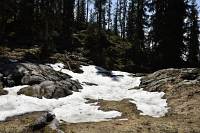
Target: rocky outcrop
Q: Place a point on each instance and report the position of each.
(35, 122)
(29, 74)
(182, 90)
(43, 80)
(155, 81)
(2, 92)
(50, 89)
(174, 77)
(42, 121)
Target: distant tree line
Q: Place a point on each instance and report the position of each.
(163, 33)
(36, 21)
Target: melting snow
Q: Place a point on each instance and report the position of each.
(112, 85)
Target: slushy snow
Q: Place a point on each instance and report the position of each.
(112, 86)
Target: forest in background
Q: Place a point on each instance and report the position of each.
(117, 34)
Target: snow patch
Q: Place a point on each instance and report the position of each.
(115, 86)
(111, 85)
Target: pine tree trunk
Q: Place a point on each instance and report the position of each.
(87, 12)
(68, 18)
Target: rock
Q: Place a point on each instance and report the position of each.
(186, 82)
(30, 91)
(1, 77)
(3, 92)
(33, 122)
(29, 74)
(1, 85)
(43, 81)
(155, 81)
(51, 89)
(13, 79)
(42, 121)
(54, 125)
(11, 75)
(39, 73)
(181, 87)
(190, 74)
(32, 79)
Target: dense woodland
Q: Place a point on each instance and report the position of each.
(149, 34)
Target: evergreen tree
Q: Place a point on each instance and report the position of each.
(136, 31)
(26, 18)
(131, 19)
(122, 14)
(87, 10)
(109, 17)
(193, 44)
(140, 25)
(115, 26)
(92, 17)
(100, 11)
(173, 40)
(77, 11)
(157, 34)
(104, 17)
(8, 9)
(171, 14)
(68, 19)
(81, 15)
(123, 18)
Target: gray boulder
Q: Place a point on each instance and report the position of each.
(2, 92)
(1, 77)
(51, 89)
(32, 79)
(42, 121)
(167, 79)
(29, 73)
(43, 81)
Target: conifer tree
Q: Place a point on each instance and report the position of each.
(169, 13)
(109, 14)
(136, 30)
(68, 19)
(100, 11)
(81, 15)
(131, 19)
(87, 10)
(193, 44)
(115, 26)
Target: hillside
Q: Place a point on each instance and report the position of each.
(181, 88)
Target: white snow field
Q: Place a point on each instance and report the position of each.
(113, 86)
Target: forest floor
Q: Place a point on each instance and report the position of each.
(182, 91)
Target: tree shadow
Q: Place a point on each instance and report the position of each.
(105, 73)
